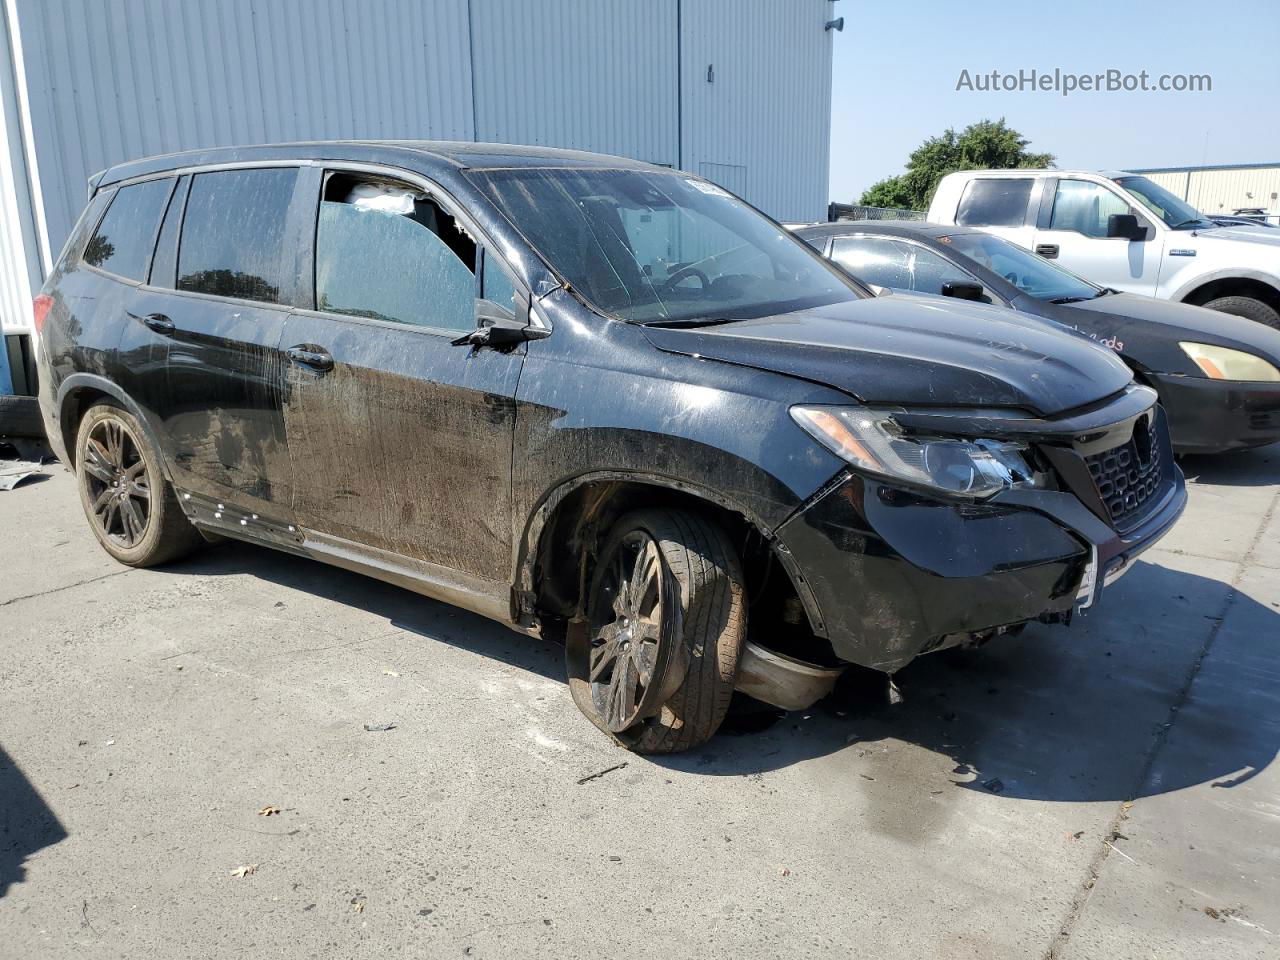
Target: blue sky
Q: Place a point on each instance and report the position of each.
(896, 66)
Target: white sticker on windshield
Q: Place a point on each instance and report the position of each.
(707, 187)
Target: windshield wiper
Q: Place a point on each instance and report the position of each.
(1104, 292)
(1067, 299)
(693, 322)
(1188, 223)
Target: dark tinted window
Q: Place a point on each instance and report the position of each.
(233, 234)
(124, 240)
(165, 262)
(994, 202)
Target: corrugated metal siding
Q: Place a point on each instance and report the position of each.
(1225, 190)
(769, 104)
(19, 256)
(594, 75)
(111, 81)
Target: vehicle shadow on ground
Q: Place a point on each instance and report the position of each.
(1057, 714)
(27, 825)
(401, 608)
(1246, 468)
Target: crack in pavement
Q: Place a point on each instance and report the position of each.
(1081, 899)
(67, 586)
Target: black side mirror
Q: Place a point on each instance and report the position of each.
(1125, 226)
(962, 290)
(497, 328)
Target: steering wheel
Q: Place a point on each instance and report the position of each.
(1012, 277)
(681, 274)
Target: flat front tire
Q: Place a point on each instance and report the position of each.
(655, 663)
(130, 506)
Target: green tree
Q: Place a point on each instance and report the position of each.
(985, 145)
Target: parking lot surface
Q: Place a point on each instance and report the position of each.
(253, 754)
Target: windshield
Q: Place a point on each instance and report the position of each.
(1174, 212)
(1033, 275)
(661, 247)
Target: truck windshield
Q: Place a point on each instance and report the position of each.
(1176, 213)
(657, 247)
(1034, 276)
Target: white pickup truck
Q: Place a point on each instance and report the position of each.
(1121, 231)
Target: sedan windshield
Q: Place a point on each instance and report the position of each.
(1175, 212)
(1034, 276)
(656, 247)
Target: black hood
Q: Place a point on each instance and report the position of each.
(917, 351)
(1148, 330)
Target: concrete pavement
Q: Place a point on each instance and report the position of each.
(1103, 791)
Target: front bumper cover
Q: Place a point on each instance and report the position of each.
(1213, 416)
(894, 573)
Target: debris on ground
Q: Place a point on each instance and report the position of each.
(786, 872)
(248, 870)
(390, 673)
(379, 727)
(615, 859)
(600, 773)
(268, 811)
(13, 472)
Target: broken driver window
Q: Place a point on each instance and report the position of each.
(386, 250)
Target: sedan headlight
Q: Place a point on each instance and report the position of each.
(1223, 363)
(872, 441)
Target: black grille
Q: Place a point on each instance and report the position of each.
(1130, 477)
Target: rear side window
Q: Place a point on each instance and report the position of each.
(233, 234)
(123, 242)
(995, 202)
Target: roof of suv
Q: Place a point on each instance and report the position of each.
(454, 153)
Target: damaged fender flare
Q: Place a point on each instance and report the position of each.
(530, 544)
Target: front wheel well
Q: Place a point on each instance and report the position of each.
(1234, 287)
(577, 526)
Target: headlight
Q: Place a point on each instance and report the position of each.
(872, 441)
(1223, 363)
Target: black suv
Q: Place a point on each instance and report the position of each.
(589, 398)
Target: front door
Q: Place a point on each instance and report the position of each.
(215, 309)
(1076, 237)
(401, 440)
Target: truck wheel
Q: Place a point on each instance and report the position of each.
(666, 618)
(1247, 307)
(130, 506)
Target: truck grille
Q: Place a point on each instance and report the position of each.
(1130, 477)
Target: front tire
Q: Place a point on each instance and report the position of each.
(1249, 308)
(130, 506)
(666, 620)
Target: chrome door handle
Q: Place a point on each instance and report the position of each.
(311, 356)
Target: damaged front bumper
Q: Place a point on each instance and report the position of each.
(896, 573)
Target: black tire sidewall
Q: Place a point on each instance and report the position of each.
(149, 546)
(1247, 307)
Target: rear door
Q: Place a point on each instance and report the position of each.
(1072, 230)
(402, 440)
(223, 279)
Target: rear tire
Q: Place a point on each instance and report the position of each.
(130, 506)
(684, 625)
(1249, 308)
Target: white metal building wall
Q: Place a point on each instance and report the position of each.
(112, 80)
(1224, 189)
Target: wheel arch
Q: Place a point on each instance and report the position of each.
(1230, 284)
(568, 526)
(80, 391)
